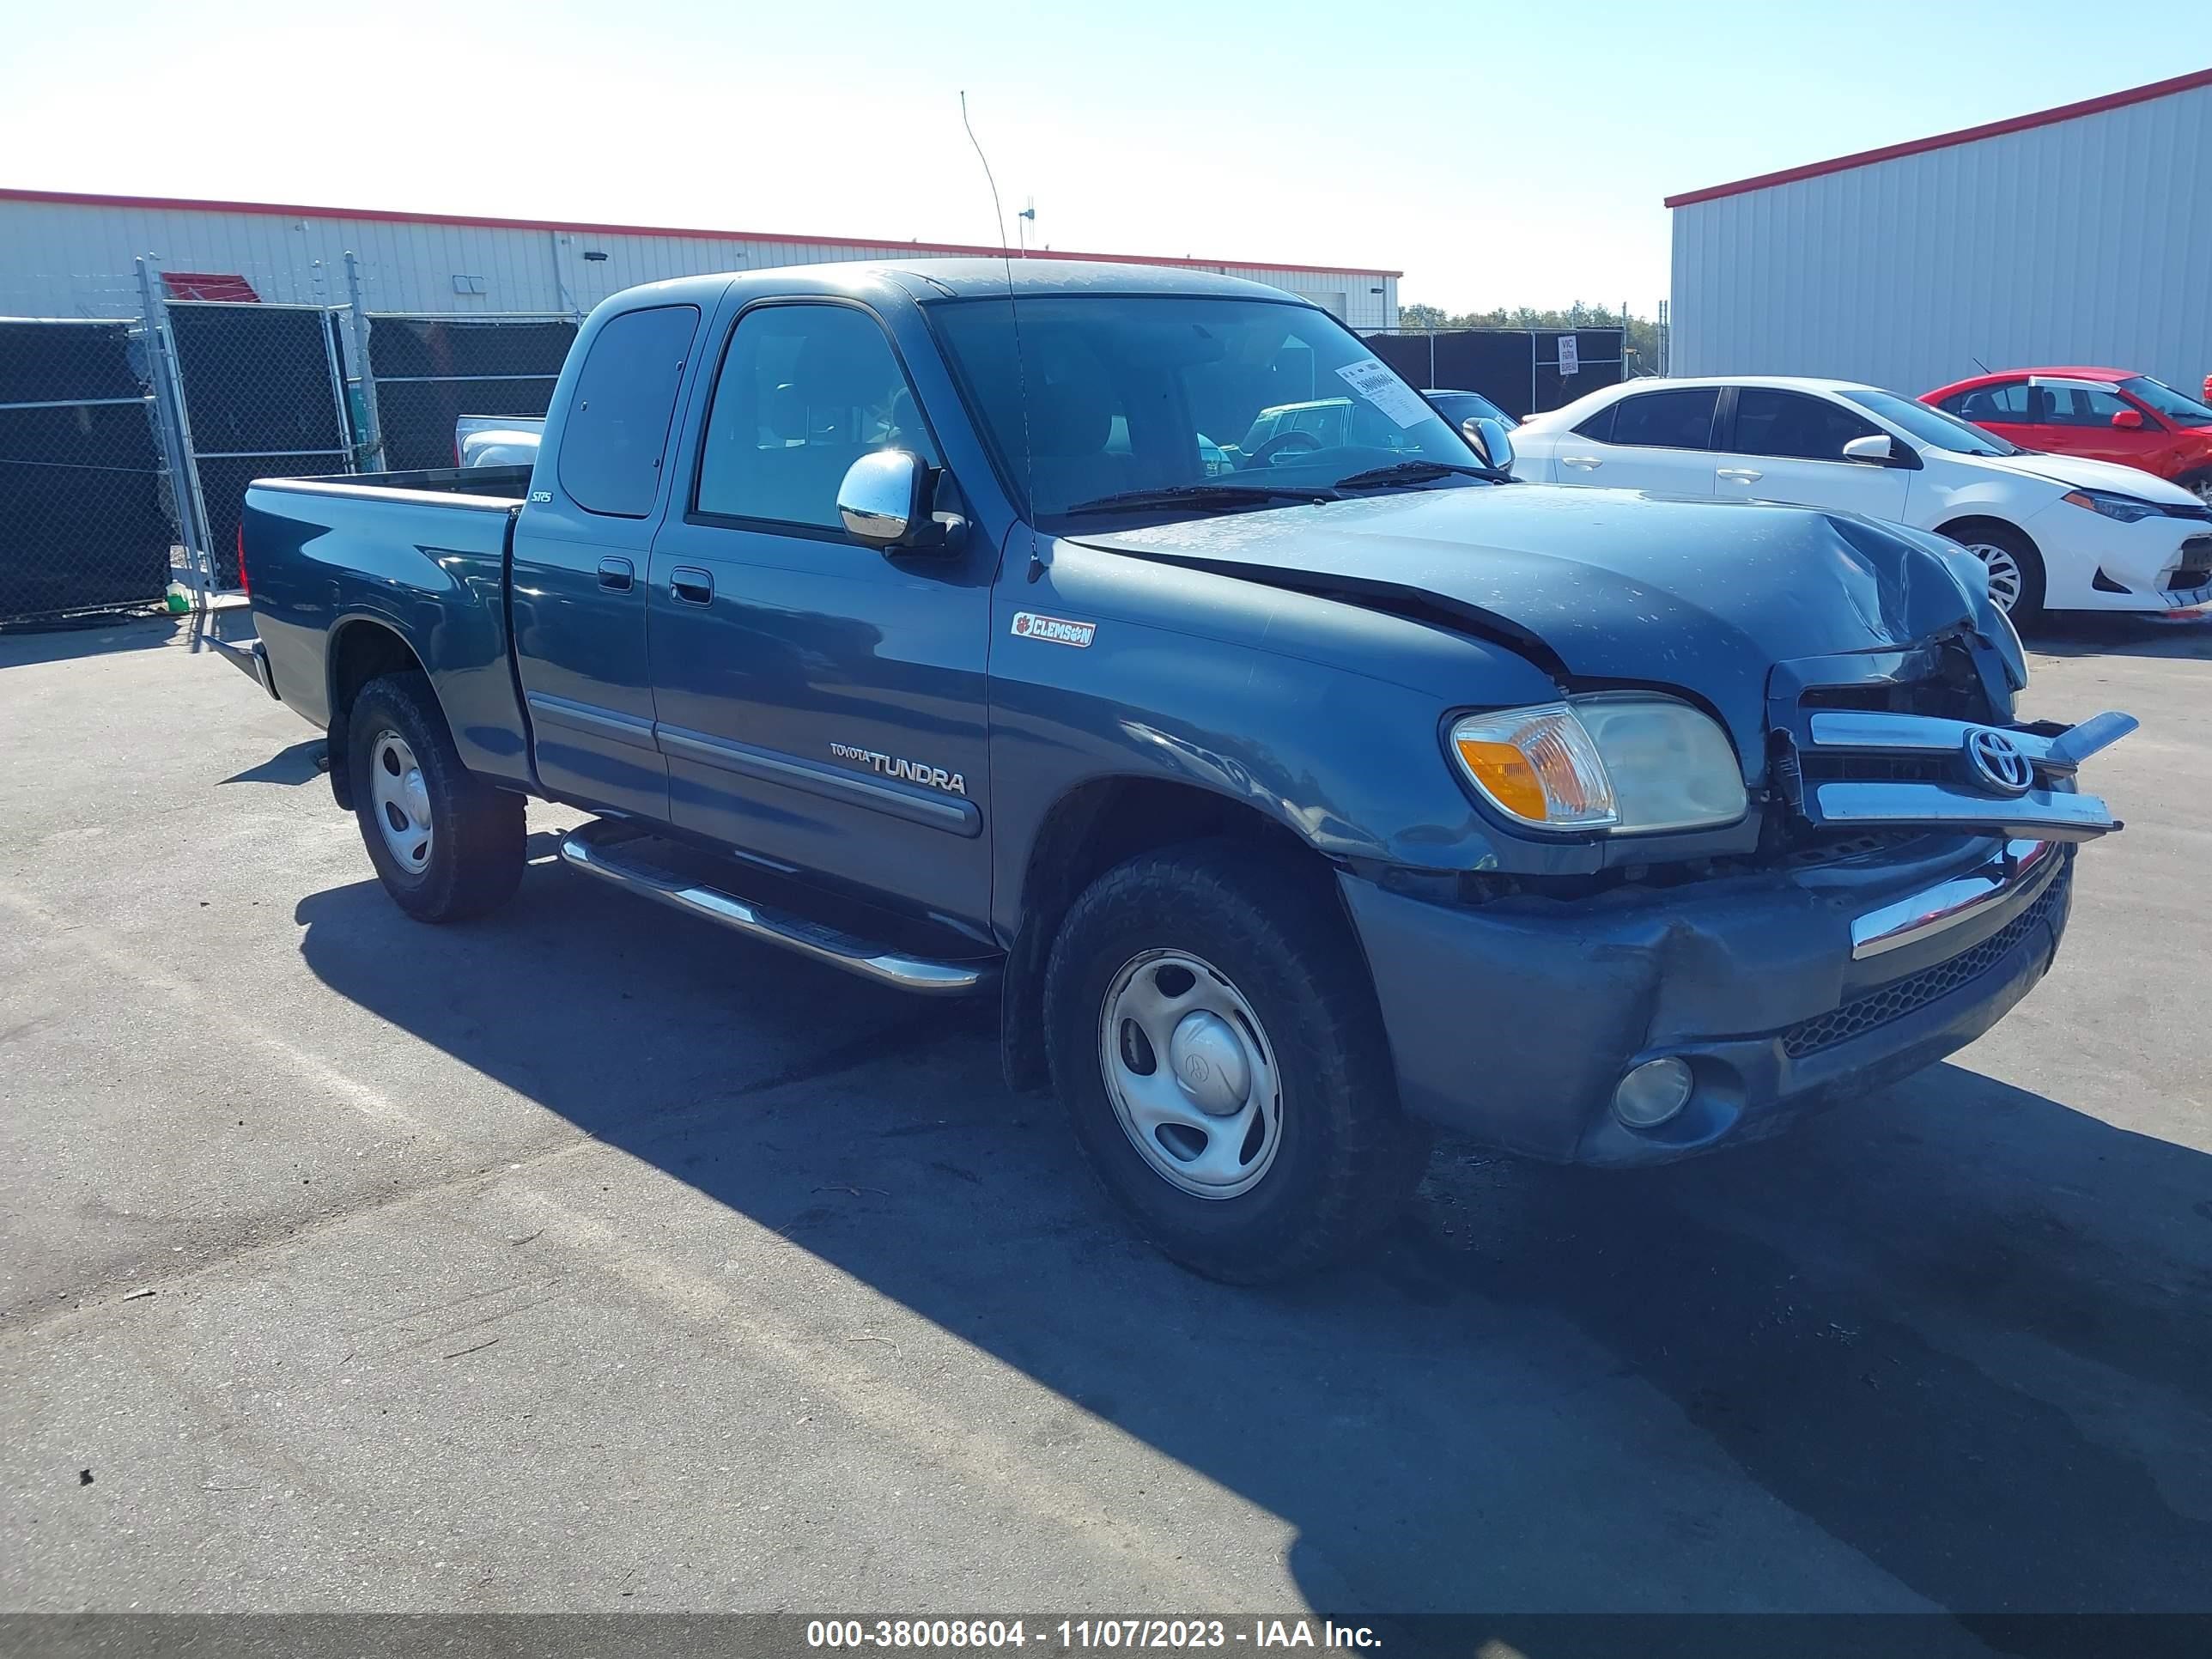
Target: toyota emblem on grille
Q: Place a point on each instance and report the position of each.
(1997, 763)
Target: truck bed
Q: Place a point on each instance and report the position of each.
(499, 484)
(347, 570)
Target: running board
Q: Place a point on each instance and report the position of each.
(600, 849)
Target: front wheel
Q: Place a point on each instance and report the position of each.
(446, 844)
(2015, 569)
(1224, 1065)
(2199, 484)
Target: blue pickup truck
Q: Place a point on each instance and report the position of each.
(1292, 799)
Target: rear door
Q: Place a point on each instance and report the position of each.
(1788, 447)
(581, 546)
(2004, 409)
(823, 706)
(1660, 440)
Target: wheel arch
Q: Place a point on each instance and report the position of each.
(362, 650)
(1093, 826)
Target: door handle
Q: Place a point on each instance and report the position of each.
(1587, 463)
(692, 585)
(615, 575)
(1737, 474)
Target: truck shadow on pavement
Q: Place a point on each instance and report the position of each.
(1960, 1330)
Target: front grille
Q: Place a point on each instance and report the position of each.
(2195, 561)
(1818, 768)
(1900, 997)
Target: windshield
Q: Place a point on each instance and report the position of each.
(1182, 394)
(1931, 426)
(2176, 406)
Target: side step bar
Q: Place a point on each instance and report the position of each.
(599, 848)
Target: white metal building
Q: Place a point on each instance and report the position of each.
(2076, 235)
(66, 255)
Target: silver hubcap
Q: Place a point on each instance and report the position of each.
(2204, 487)
(2005, 574)
(1191, 1075)
(401, 801)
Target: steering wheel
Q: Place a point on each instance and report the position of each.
(1281, 443)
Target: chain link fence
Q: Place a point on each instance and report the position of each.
(127, 443)
(1523, 371)
(86, 511)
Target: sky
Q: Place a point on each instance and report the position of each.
(1498, 154)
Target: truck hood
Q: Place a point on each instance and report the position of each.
(2080, 472)
(1601, 585)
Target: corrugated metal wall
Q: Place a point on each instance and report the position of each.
(2086, 241)
(67, 260)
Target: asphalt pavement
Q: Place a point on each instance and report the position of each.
(588, 1258)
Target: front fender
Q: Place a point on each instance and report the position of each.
(1264, 709)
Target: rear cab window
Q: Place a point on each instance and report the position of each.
(616, 436)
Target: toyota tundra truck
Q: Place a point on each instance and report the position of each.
(1293, 800)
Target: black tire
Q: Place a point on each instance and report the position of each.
(1346, 1157)
(476, 855)
(2026, 609)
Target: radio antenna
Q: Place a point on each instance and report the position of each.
(1014, 315)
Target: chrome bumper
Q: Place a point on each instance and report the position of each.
(250, 658)
(2022, 869)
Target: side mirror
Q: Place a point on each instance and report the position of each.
(1874, 450)
(1489, 440)
(884, 502)
(2129, 420)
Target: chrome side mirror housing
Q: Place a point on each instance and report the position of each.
(881, 499)
(1489, 440)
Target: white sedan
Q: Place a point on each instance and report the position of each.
(2054, 530)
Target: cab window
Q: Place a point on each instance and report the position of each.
(805, 390)
(616, 428)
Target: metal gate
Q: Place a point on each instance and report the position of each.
(265, 396)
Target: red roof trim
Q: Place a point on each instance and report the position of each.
(1944, 141)
(288, 211)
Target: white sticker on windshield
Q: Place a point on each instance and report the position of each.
(1375, 383)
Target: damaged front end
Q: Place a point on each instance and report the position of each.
(1904, 739)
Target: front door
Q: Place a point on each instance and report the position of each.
(1788, 447)
(821, 705)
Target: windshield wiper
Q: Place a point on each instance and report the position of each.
(1219, 496)
(1414, 472)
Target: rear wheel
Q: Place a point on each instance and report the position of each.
(2015, 569)
(446, 844)
(2200, 483)
(1218, 1046)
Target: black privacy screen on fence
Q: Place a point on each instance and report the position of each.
(430, 371)
(1517, 369)
(83, 525)
(262, 394)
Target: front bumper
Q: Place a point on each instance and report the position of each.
(1785, 992)
(2153, 564)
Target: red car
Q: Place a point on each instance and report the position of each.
(2105, 413)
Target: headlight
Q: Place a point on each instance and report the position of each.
(2126, 508)
(1626, 764)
